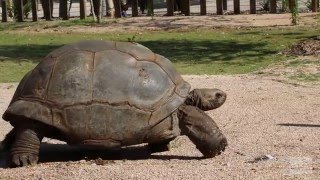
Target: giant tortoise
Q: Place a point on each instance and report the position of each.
(109, 94)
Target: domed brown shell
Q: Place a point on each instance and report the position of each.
(96, 90)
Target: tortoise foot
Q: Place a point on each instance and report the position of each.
(25, 149)
(23, 159)
(202, 131)
(217, 150)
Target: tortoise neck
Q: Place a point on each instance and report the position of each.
(193, 99)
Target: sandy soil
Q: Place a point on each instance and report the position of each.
(272, 128)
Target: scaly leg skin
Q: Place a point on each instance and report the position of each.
(25, 148)
(159, 146)
(202, 131)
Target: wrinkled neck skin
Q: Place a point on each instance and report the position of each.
(198, 98)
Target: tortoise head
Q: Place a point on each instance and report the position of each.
(206, 99)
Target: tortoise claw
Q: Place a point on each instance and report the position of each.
(214, 152)
(21, 160)
(15, 161)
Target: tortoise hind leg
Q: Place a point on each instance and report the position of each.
(202, 131)
(25, 148)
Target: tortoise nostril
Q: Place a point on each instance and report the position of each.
(218, 95)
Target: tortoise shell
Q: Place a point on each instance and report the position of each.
(98, 90)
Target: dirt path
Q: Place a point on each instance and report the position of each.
(272, 127)
(181, 23)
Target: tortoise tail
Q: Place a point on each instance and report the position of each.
(5, 145)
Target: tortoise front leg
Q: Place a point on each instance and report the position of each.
(202, 131)
(25, 148)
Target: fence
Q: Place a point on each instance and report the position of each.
(82, 8)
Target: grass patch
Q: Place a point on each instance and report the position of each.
(299, 63)
(222, 51)
(306, 77)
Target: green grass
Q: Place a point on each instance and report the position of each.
(219, 51)
(299, 63)
(306, 77)
(304, 63)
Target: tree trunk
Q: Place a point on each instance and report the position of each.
(47, 6)
(236, 6)
(110, 8)
(203, 7)
(225, 5)
(149, 7)
(253, 7)
(315, 4)
(83, 14)
(4, 11)
(92, 11)
(63, 9)
(99, 15)
(117, 8)
(219, 7)
(134, 7)
(273, 6)
(170, 7)
(34, 10)
(19, 9)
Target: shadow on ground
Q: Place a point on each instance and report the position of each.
(28, 52)
(64, 153)
(200, 51)
(207, 51)
(299, 125)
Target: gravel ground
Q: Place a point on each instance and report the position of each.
(272, 127)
